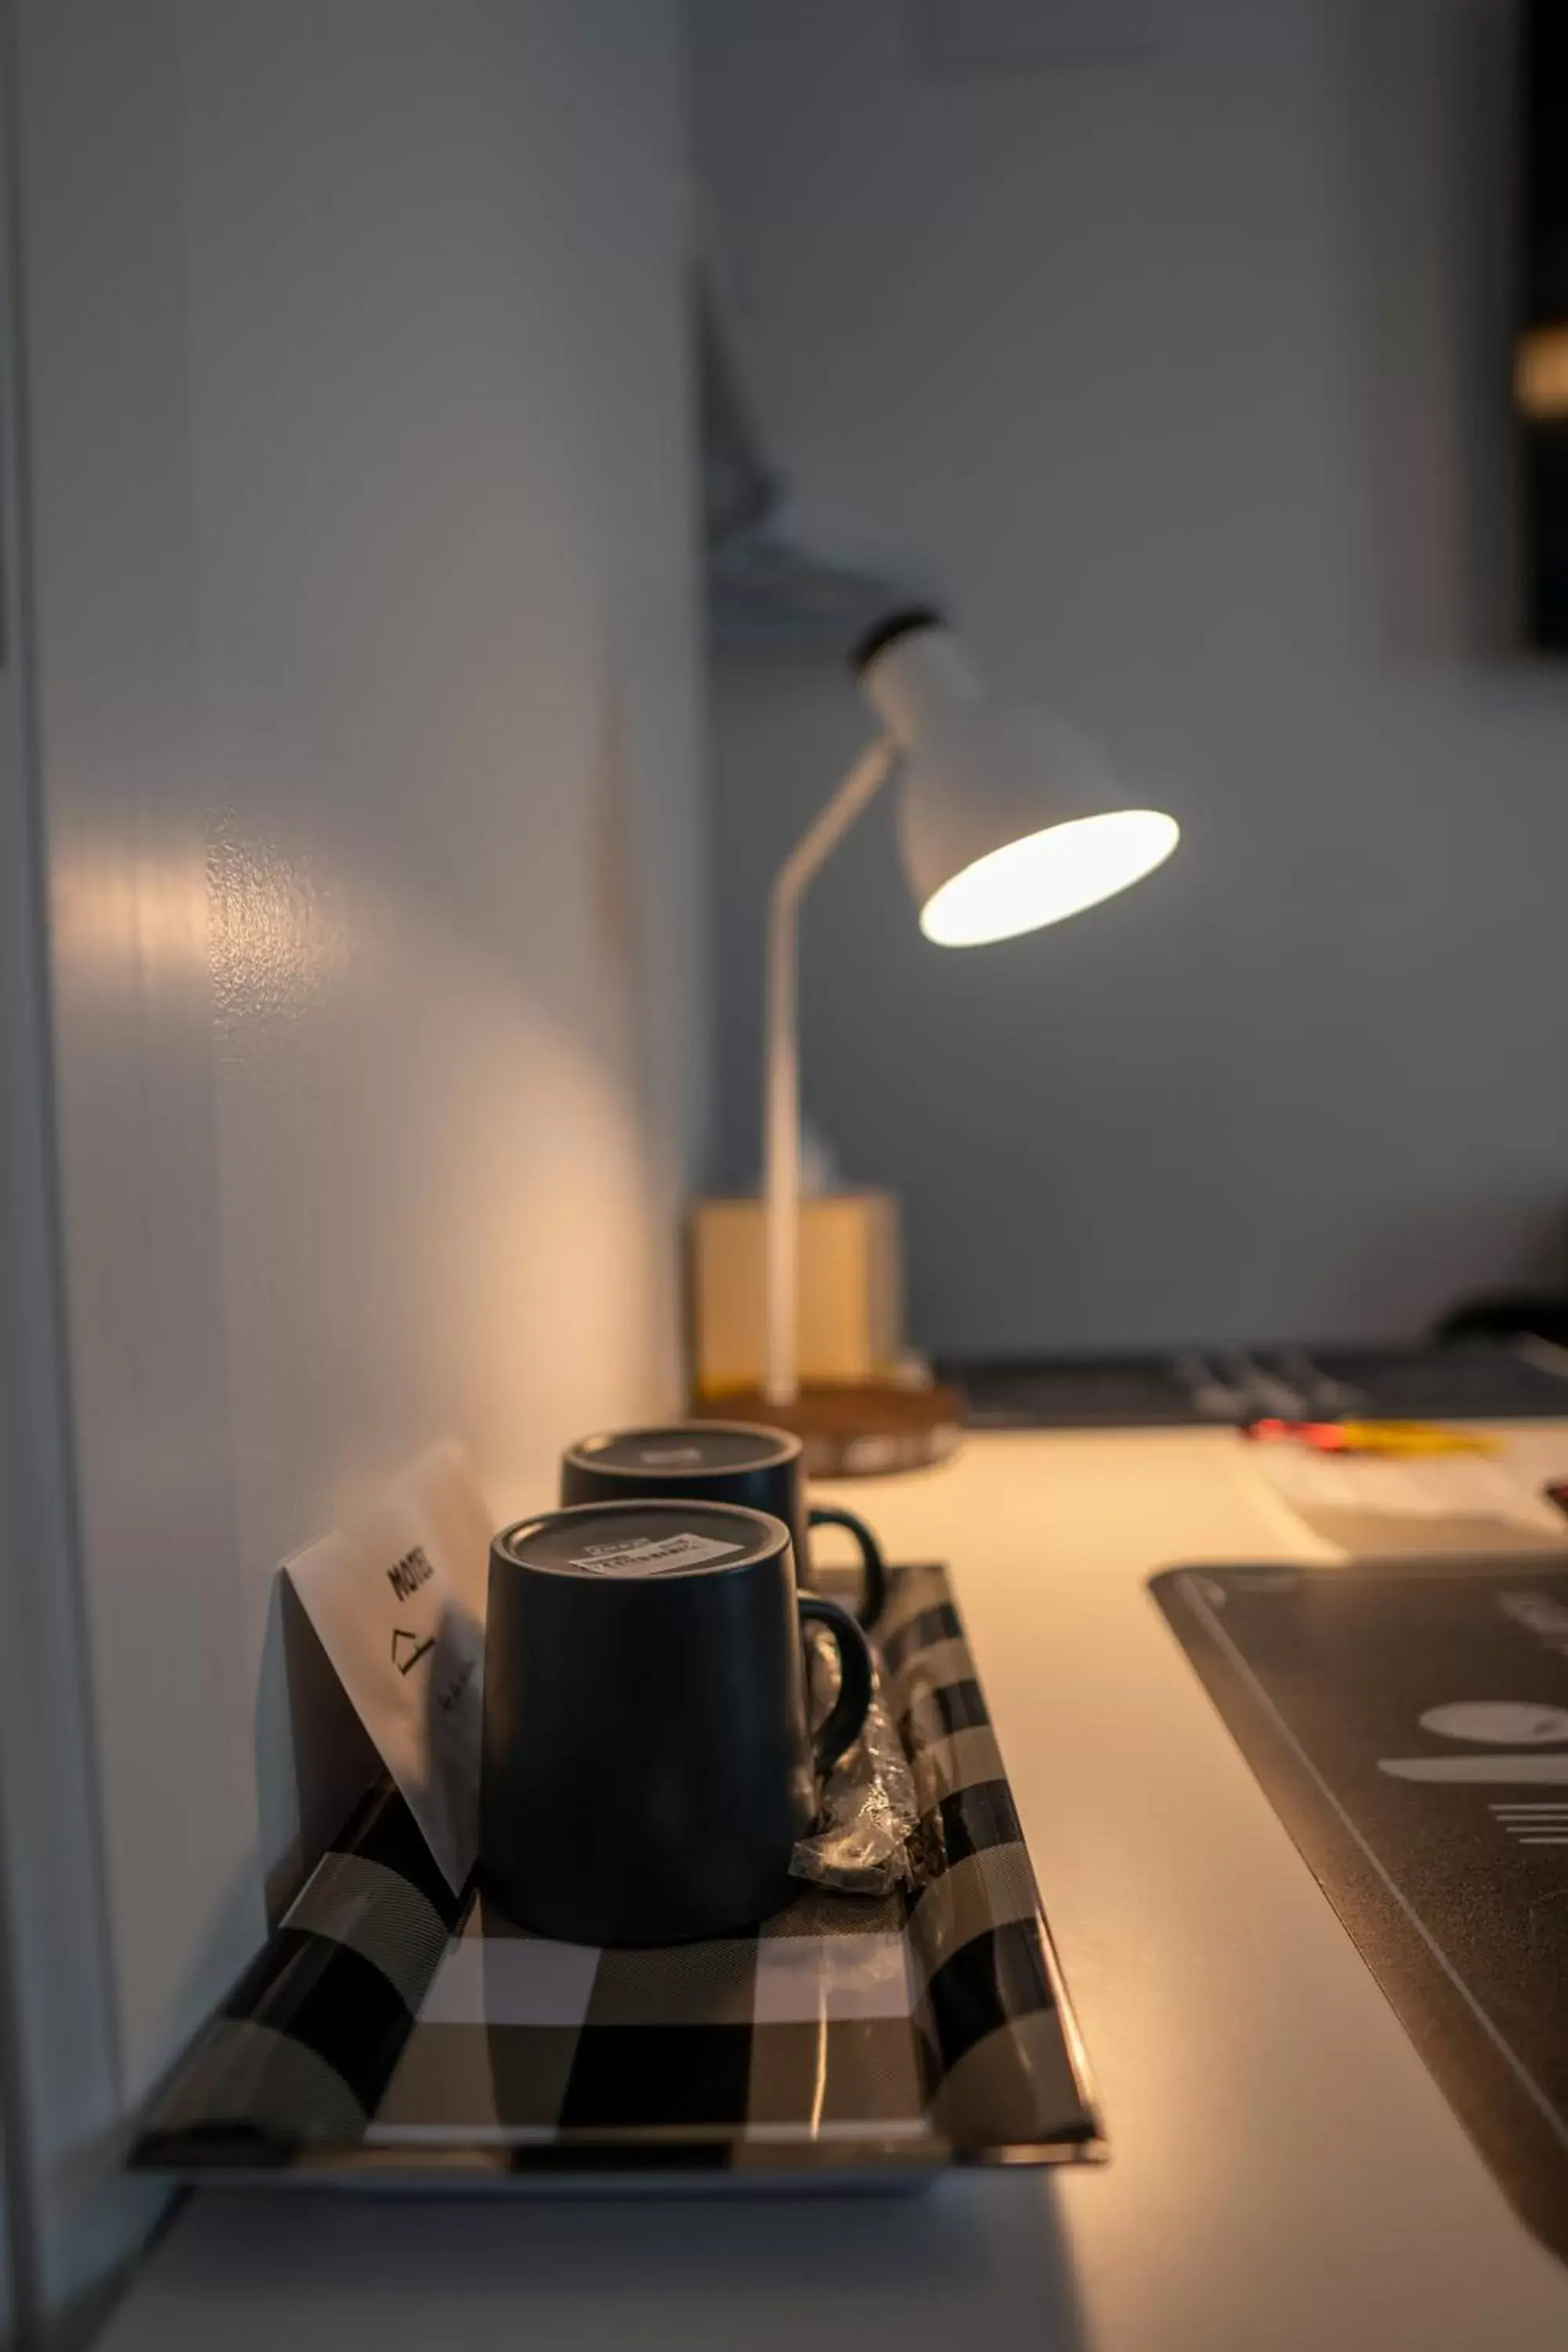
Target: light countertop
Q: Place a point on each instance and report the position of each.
(1284, 2172)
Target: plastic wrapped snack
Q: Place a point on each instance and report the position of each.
(862, 1841)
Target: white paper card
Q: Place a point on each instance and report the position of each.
(1419, 1488)
(651, 1555)
(397, 1599)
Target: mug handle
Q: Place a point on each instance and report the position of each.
(872, 1565)
(845, 1718)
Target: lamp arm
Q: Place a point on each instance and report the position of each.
(781, 1109)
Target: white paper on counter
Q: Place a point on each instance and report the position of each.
(1416, 1487)
(397, 1598)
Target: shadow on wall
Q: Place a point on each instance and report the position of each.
(1427, 241)
(1398, 1256)
(334, 1757)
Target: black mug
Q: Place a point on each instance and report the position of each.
(720, 1462)
(647, 1763)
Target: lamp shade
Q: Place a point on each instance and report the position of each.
(1008, 818)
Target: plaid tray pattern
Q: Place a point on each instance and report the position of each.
(390, 2030)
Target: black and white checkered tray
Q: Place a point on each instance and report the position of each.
(391, 2033)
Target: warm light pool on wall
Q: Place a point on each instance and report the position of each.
(1008, 820)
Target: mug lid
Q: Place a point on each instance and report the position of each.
(647, 1539)
(680, 1449)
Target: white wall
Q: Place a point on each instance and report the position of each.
(1183, 379)
(372, 775)
(57, 2226)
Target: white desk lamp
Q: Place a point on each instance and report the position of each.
(1008, 820)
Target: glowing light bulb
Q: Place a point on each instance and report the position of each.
(1047, 875)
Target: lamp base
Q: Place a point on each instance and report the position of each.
(863, 1429)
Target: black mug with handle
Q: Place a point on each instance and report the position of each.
(720, 1462)
(647, 1763)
